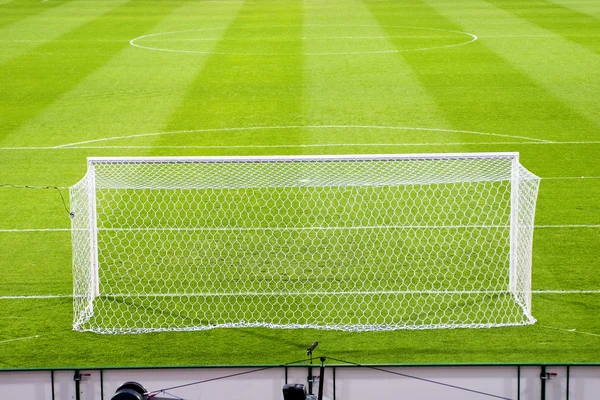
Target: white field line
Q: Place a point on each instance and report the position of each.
(573, 226)
(283, 127)
(297, 146)
(551, 291)
(275, 38)
(63, 296)
(21, 338)
(35, 230)
(42, 297)
(133, 43)
(289, 38)
(537, 35)
(302, 293)
(61, 41)
(571, 177)
(582, 226)
(248, 39)
(569, 330)
(305, 228)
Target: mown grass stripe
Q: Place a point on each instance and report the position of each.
(14, 11)
(591, 7)
(358, 87)
(137, 85)
(498, 92)
(236, 89)
(514, 87)
(28, 33)
(56, 67)
(41, 264)
(556, 18)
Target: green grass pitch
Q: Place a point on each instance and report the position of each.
(82, 78)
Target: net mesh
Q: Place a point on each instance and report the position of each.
(347, 243)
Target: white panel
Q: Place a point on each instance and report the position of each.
(530, 383)
(361, 383)
(64, 385)
(25, 385)
(89, 386)
(351, 383)
(261, 385)
(556, 386)
(585, 383)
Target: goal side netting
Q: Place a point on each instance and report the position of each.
(357, 243)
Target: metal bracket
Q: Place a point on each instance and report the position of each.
(79, 376)
(547, 375)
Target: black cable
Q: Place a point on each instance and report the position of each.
(224, 377)
(41, 187)
(421, 379)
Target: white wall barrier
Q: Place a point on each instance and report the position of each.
(377, 382)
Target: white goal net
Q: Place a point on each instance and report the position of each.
(369, 242)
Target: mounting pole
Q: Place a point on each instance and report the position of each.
(309, 352)
(321, 377)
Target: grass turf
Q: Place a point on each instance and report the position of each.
(70, 78)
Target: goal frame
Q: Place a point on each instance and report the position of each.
(94, 288)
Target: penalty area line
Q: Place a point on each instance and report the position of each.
(569, 330)
(21, 338)
(573, 226)
(550, 291)
(68, 296)
(33, 297)
(35, 230)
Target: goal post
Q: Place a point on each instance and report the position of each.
(351, 242)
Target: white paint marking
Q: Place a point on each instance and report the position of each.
(132, 42)
(35, 230)
(299, 146)
(35, 297)
(534, 36)
(569, 330)
(573, 226)
(550, 291)
(283, 127)
(304, 228)
(572, 177)
(274, 38)
(594, 226)
(22, 338)
(64, 296)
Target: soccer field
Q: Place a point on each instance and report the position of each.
(93, 78)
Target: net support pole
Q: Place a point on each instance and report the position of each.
(94, 274)
(514, 224)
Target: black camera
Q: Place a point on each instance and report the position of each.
(296, 391)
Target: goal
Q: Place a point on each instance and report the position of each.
(353, 242)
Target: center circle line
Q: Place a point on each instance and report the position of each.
(472, 39)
